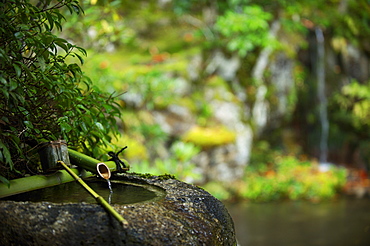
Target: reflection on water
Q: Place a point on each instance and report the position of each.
(122, 193)
(341, 223)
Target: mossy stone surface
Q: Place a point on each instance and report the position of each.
(187, 215)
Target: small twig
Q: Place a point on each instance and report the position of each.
(25, 129)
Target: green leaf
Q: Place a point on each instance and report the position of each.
(12, 85)
(5, 155)
(83, 51)
(100, 126)
(83, 126)
(66, 127)
(62, 43)
(80, 58)
(42, 64)
(50, 20)
(28, 123)
(28, 71)
(59, 26)
(5, 181)
(2, 80)
(18, 70)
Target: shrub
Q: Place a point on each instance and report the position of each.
(244, 31)
(42, 97)
(292, 178)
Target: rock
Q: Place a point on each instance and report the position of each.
(187, 215)
(283, 81)
(223, 66)
(175, 121)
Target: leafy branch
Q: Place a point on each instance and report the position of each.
(42, 97)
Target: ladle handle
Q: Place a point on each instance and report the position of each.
(98, 198)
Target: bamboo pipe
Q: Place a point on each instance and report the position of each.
(90, 163)
(35, 182)
(98, 198)
(17, 186)
(103, 170)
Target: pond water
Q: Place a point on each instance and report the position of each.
(345, 222)
(123, 193)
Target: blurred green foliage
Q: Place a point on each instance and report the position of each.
(141, 50)
(354, 102)
(179, 163)
(246, 30)
(102, 25)
(273, 176)
(155, 88)
(136, 151)
(350, 119)
(147, 64)
(289, 177)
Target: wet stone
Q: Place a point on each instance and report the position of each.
(186, 215)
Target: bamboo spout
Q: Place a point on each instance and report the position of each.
(90, 164)
(103, 170)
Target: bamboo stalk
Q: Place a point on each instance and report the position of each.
(98, 198)
(90, 163)
(35, 182)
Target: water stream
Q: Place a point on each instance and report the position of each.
(110, 191)
(109, 186)
(323, 111)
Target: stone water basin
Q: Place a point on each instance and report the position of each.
(171, 213)
(72, 192)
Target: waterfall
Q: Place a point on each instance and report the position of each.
(323, 112)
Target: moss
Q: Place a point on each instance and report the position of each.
(143, 175)
(209, 136)
(165, 176)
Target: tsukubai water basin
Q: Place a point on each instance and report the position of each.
(158, 212)
(123, 192)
